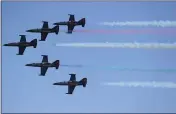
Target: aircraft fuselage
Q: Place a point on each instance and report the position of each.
(40, 30)
(44, 64)
(25, 44)
(70, 83)
(74, 23)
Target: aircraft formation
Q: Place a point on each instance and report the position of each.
(44, 64)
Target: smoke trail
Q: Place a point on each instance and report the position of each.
(78, 66)
(152, 84)
(161, 31)
(132, 69)
(141, 23)
(120, 45)
(120, 69)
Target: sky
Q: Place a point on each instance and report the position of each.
(23, 90)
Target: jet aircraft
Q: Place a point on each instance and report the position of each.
(72, 23)
(22, 44)
(72, 83)
(44, 65)
(45, 30)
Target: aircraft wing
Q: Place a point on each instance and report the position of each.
(71, 18)
(72, 77)
(43, 71)
(70, 28)
(21, 50)
(43, 36)
(45, 24)
(45, 58)
(23, 38)
(71, 89)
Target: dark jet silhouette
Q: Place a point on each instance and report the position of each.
(72, 23)
(22, 44)
(45, 64)
(72, 83)
(45, 30)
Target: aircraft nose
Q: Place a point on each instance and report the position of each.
(28, 65)
(28, 30)
(5, 45)
(54, 83)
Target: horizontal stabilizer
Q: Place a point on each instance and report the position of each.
(34, 43)
(56, 63)
(82, 22)
(84, 82)
(56, 29)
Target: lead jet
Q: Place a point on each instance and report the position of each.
(72, 83)
(22, 44)
(45, 65)
(72, 23)
(45, 30)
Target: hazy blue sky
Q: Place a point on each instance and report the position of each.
(24, 91)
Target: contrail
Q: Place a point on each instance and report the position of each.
(141, 23)
(120, 45)
(152, 84)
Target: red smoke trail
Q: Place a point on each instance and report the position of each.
(167, 31)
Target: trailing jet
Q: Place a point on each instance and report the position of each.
(72, 23)
(22, 44)
(44, 30)
(45, 64)
(72, 83)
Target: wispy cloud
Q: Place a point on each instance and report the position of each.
(152, 84)
(141, 23)
(120, 45)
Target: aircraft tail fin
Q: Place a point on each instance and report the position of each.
(82, 22)
(56, 63)
(56, 29)
(34, 43)
(84, 82)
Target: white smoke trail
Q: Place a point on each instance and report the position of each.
(141, 23)
(120, 45)
(152, 84)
